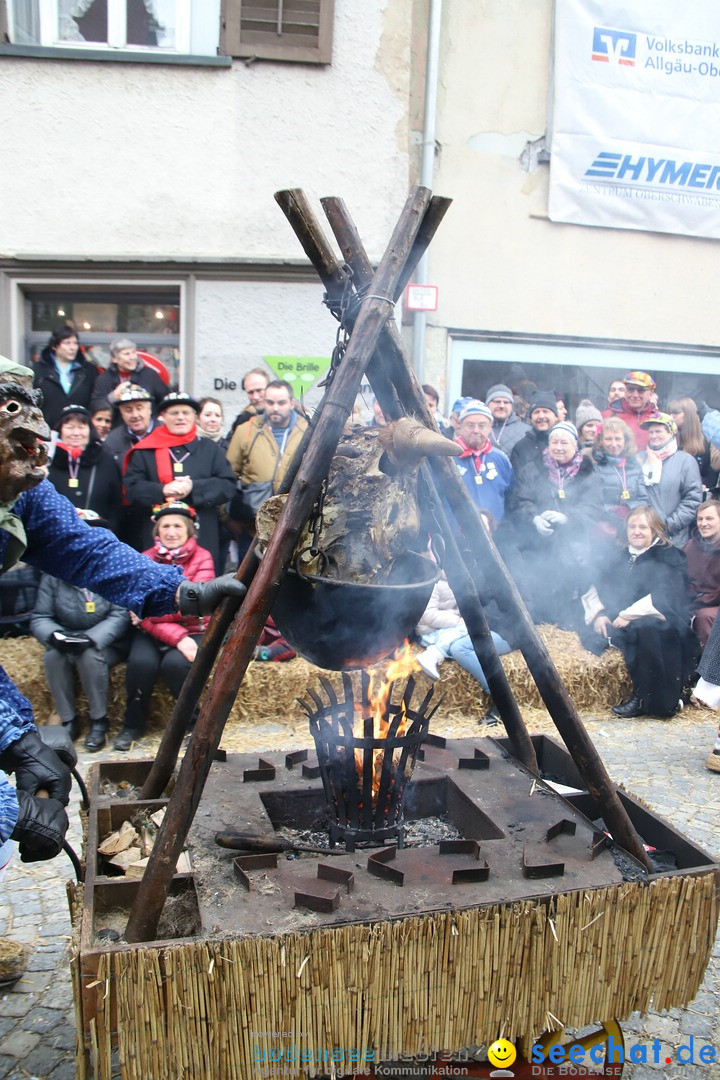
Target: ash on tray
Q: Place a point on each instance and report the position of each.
(423, 832)
(420, 832)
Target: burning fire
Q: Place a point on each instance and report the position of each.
(402, 665)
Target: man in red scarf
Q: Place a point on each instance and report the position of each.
(173, 463)
(485, 470)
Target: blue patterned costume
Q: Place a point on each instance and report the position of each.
(59, 543)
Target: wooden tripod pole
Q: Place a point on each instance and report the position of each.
(552, 690)
(459, 579)
(376, 309)
(298, 211)
(310, 234)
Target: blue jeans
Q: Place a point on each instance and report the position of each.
(462, 652)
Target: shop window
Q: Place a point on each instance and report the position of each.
(299, 30)
(105, 316)
(153, 323)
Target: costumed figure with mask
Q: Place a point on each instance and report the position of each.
(43, 528)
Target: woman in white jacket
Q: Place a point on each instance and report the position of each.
(442, 630)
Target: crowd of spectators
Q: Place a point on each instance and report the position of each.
(610, 527)
(159, 469)
(622, 505)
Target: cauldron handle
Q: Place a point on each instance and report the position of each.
(319, 555)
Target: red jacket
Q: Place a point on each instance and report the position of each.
(197, 565)
(632, 419)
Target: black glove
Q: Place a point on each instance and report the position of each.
(76, 642)
(57, 738)
(202, 597)
(37, 767)
(40, 828)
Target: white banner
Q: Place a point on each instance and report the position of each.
(636, 115)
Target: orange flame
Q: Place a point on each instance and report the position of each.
(402, 665)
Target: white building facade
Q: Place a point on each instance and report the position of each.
(137, 180)
(524, 298)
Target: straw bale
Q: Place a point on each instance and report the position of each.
(14, 956)
(267, 694)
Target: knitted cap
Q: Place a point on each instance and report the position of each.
(476, 408)
(543, 399)
(499, 391)
(639, 378)
(566, 426)
(460, 404)
(661, 418)
(585, 412)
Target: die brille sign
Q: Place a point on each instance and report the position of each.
(302, 372)
(636, 94)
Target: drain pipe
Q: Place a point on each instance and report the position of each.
(427, 166)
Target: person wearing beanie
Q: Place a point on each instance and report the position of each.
(636, 406)
(486, 471)
(588, 421)
(554, 508)
(542, 415)
(507, 430)
(457, 408)
(672, 478)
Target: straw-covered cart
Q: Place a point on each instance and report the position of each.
(229, 1001)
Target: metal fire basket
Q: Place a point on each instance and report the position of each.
(361, 812)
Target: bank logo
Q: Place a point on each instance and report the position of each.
(614, 46)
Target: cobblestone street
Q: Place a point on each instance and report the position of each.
(661, 762)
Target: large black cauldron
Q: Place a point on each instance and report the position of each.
(339, 624)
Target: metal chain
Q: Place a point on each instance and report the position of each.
(317, 518)
(314, 524)
(340, 308)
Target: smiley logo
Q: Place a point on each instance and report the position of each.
(502, 1053)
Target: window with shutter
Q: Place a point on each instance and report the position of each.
(296, 30)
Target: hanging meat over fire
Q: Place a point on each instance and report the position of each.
(369, 515)
(357, 588)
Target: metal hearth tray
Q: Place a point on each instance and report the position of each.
(514, 839)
